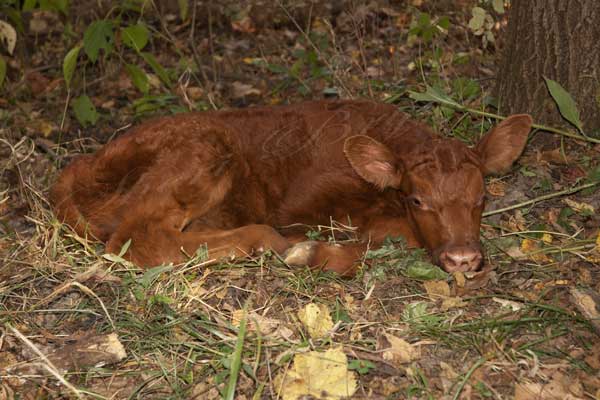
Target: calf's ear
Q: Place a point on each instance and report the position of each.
(373, 161)
(501, 147)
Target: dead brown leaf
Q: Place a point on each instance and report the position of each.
(240, 90)
(437, 289)
(593, 357)
(587, 302)
(555, 156)
(579, 206)
(397, 350)
(452, 302)
(560, 387)
(516, 222)
(459, 278)
(496, 188)
(243, 24)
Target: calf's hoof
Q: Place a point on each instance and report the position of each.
(301, 253)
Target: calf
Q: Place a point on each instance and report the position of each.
(231, 179)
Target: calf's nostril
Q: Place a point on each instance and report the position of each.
(460, 260)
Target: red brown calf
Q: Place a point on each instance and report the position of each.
(230, 179)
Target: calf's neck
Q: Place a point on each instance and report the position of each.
(231, 180)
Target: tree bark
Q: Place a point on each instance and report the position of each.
(556, 39)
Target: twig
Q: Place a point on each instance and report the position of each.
(541, 198)
(536, 126)
(47, 363)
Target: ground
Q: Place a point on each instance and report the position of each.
(77, 323)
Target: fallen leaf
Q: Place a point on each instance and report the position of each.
(153, 80)
(516, 253)
(579, 206)
(42, 128)
(251, 60)
(587, 302)
(496, 188)
(452, 302)
(437, 289)
(323, 375)
(8, 35)
(240, 90)
(317, 320)
(351, 304)
(37, 82)
(560, 387)
(477, 280)
(530, 248)
(399, 350)
(243, 24)
(374, 72)
(194, 92)
(593, 356)
(459, 278)
(256, 322)
(594, 255)
(448, 376)
(550, 284)
(554, 156)
(547, 238)
(516, 222)
(38, 25)
(513, 305)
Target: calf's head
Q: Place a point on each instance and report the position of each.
(441, 184)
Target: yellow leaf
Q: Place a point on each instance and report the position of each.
(452, 302)
(437, 289)
(579, 207)
(323, 375)
(594, 255)
(42, 127)
(316, 319)
(531, 249)
(460, 279)
(547, 238)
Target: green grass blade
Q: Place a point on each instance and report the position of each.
(236, 360)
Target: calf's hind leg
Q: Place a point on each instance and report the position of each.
(183, 185)
(154, 242)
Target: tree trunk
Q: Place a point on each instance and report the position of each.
(556, 39)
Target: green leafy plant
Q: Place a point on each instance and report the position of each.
(363, 367)
(394, 255)
(100, 44)
(425, 28)
(98, 36)
(566, 104)
(85, 111)
(482, 21)
(308, 65)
